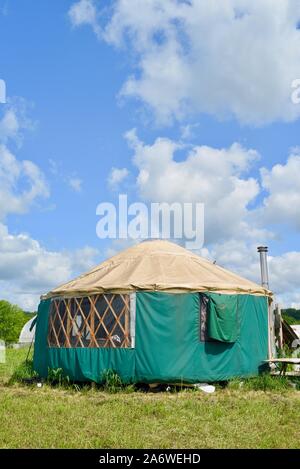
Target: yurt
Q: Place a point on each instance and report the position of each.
(154, 313)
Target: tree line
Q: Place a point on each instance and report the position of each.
(12, 320)
(291, 315)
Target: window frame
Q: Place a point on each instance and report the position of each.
(203, 311)
(64, 320)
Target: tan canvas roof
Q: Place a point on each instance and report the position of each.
(157, 266)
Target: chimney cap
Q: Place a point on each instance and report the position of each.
(262, 249)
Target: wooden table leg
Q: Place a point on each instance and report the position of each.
(283, 369)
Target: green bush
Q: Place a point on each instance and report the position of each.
(266, 382)
(111, 381)
(23, 372)
(12, 319)
(56, 376)
(263, 382)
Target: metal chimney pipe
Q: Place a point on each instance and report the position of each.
(264, 266)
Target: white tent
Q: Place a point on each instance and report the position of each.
(296, 329)
(27, 335)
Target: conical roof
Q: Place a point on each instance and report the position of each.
(158, 266)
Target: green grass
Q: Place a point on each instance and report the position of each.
(264, 382)
(15, 359)
(69, 417)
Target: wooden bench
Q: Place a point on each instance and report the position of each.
(284, 362)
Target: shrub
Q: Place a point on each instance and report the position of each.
(111, 381)
(56, 376)
(266, 382)
(263, 382)
(24, 372)
(12, 319)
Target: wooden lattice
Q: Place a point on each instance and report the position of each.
(204, 301)
(92, 321)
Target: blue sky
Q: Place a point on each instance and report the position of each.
(78, 122)
(80, 74)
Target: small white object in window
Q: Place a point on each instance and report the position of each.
(116, 338)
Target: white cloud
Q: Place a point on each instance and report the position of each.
(84, 12)
(14, 121)
(282, 204)
(216, 177)
(220, 179)
(57, 170)
(284, 270)
(75, 183)
(21, 183)
(54, 167)
(27, 269)
(230, 58)
(188, 131)
(285, 277)
(117, 176)
(9, 125)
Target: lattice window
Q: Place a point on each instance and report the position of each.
(92, 321)
(204, 300)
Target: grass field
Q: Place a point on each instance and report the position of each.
(59, 417)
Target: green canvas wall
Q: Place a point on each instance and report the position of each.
(167, 346)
